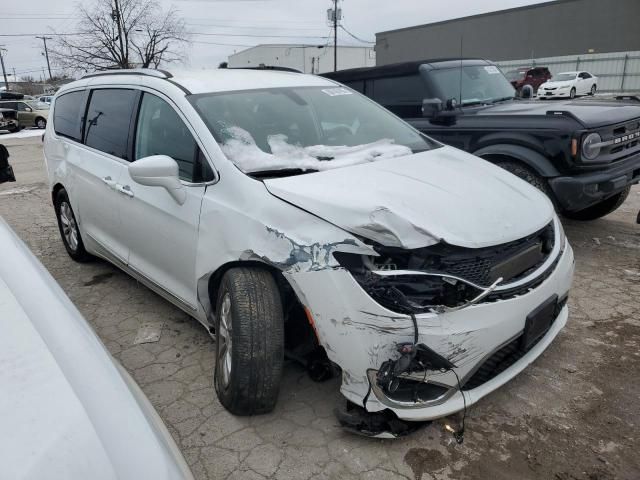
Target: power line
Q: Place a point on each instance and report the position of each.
(353, 36)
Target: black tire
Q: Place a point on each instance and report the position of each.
(600, 209)
(67, 220)
(40, 122)
(529, 176)
(255, 326)
(594, 87)
(572, 93)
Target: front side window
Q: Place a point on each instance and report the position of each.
(304, 128)
(68, 113)
(472, 85)
(565, 77)
(161, 131)
(108, 120)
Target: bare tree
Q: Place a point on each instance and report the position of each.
(121, 34)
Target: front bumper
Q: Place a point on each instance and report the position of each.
(8, 124)
(565, 93)
(359, 335)
(581, 191)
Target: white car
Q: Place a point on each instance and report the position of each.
(68, 411)
(569, 85)
(284, 210)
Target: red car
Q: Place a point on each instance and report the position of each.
(534, 76)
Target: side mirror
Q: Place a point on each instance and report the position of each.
(159, 171)
(28, 109)
(527, 91)
(431, 107)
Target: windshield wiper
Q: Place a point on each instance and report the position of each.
(280, 172)
(503, 99)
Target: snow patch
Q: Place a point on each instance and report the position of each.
(22, 134)
(241, 148)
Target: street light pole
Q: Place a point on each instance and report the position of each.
(46, 53)
(4, 73)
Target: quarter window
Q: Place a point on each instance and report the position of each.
(108, 120)
(67, 115)
(161, 131)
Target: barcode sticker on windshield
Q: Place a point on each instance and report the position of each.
(334, 92)
(492, 70)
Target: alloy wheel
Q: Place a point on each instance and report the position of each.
(69, 226)
(225, 339)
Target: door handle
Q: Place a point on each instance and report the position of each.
(109, 182)
(124, 189)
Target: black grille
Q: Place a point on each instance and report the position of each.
(482, 266)
(503, 358)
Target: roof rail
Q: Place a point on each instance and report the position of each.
(150, 72)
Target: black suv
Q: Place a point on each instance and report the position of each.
(584, 154)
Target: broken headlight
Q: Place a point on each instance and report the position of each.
(407, 291)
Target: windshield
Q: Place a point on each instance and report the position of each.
(477, 84)
(514, 75)
(304, 128)
(564, 77)
(37, 105)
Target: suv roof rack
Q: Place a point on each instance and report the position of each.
(262, 66)
(150, 72)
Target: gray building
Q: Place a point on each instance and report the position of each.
(550, 29)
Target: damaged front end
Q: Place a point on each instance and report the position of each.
(422, 333)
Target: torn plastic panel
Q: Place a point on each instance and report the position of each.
(443, 277)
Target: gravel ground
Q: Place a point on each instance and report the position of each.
(572, 415)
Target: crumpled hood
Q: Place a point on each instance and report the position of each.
(418, 200)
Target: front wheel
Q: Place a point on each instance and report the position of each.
(601, 209)
(594, 87)
(529, 176)
(249, 341)
(41, 122)
(572, 93)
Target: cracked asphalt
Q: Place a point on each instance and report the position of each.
(572, 415)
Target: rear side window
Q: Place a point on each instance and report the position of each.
(67, 115)
(108, 121)
(161, 131)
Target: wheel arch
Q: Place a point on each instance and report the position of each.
(530, 158)
(209, 285)
(54, 192)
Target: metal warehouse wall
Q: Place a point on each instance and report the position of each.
(303, 57)
(616, 72)
(564, 27)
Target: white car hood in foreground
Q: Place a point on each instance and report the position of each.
(418, 200)
(66, 411)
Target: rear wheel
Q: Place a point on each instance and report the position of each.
(249, 341)
(600, 209)
(68, 227)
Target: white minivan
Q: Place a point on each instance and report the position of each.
(286, 212)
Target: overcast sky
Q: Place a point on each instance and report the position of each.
(229, 21)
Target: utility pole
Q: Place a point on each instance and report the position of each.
(4, 73)
(334, 15)
(335, 35)
(46, 53)
(115, 15)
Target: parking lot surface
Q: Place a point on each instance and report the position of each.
(573, 415)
